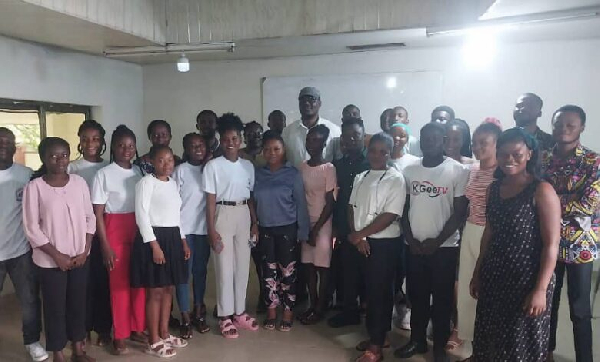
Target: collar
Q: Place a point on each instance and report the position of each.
(287, 164)
(301, 124)
(579, 150)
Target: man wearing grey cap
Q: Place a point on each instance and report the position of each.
(294, 136)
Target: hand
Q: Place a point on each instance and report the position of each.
(535, 303)
(254, 232)
(312, 236)
(79, 260)
(355, 238)
(63, 261)
(158, 257)
(414, 246)
(186, 249)
(475, 285)
(429, 246)
(109, 257)
(216, 243)
(364, 248)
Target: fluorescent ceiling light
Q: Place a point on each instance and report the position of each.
(169, 48)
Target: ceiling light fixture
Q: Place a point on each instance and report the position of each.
(120, 52)
(183, 64)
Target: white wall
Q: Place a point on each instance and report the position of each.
(560, 72)
(114, 88)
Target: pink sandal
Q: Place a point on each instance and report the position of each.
(244, 321)
(228, 330)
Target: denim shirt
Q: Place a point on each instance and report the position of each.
(280, 199)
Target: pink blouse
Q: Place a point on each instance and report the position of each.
(61, 216)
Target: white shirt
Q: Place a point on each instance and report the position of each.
(294, 137)
(413, 146)
(376, 192)
(432, 191)
(193, 208)
(12, 235)
(408, 159)
(157, 203)
(229, 181)
(86, 169)
(114, 187)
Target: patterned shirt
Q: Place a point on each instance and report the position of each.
(576, 180)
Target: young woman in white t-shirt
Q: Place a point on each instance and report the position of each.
(188, 177)
(232, 226)
(113, 195)
(91, 147)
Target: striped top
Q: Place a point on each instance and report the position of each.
(479, 180)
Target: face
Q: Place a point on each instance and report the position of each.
(195, 149)
(160, 136)
(378, 155)
(277, 122)
(309, 106)
(253, 136)
(567, 127)
(56, 159)
(314, 144)
(90, 142)
(513, 157)
(8, 146)
(206, 124)
(400, 137)
(432, 142)
(351, 112)
(163, 163)
(274, 152)
(386, 121)
(441, 117)
(123, 149)
(352, 139)
(230, 142)
(527, 110)
(484, 146)
(399, 115)
(454, 141)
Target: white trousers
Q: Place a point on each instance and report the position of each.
(467, 306)
(233, 263)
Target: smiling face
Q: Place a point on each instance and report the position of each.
(163, 162)
(195, 149)
(56, 159)
(274, 152)
(123, 149)
(309, 106)
(484, 146)
(90, 142)
(160, 135)
(513, 157)
(567, 127)
(400, 137)
(454, 142)
(230, 143)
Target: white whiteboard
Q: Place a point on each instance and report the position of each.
(419, 92)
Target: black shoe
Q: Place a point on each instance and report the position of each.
(174, 322)
(344, 319)
(410, 350)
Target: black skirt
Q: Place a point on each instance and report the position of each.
(147, 274)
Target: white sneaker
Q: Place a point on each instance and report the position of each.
(37, 352)
(405, 321)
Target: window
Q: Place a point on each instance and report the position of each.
(32, 121)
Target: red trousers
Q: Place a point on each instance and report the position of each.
(128, 304)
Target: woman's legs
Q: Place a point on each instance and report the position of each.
(323, 289)
(311, 283)
(153, 313)
(199, 270)
(165, 311)
(182, 291)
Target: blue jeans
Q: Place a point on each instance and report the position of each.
(24, 277)
(197, 264)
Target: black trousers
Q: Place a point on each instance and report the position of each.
(432, 275)
(98, 311)
(380, 272)
(579, 283)
(64, 301)
(400, 253)
(278, 246)
(354, 266)
(337, 275)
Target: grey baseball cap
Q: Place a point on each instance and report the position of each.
(310, 91)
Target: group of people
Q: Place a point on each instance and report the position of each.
(473, 232)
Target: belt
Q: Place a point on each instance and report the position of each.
(232, 203)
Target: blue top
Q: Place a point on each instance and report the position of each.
(280, 199)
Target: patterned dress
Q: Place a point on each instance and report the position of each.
(503, 332)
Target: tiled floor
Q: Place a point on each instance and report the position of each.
(316, 343)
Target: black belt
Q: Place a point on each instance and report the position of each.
(232, 203)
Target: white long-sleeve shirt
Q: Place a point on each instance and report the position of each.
(158, 204)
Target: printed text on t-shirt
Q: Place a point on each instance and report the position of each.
(428, 188)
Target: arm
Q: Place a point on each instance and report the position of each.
(211, 211)
(90, 220)
(548, 208)
(108, 254)
(331, 183)
(455, 221)
(380, 223)
(302, 216)
(143, 195)
(253, 218)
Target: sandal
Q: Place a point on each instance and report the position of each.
(185, 331)
(244, 321)
(200, 324)
(82, 358)
(285, 326)
(175, 342)
(119, 350)
(362, 346)
(312, 318)
(369, 356)
(269, 324)
(454, 342)
(228, 330)
(161, 349)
